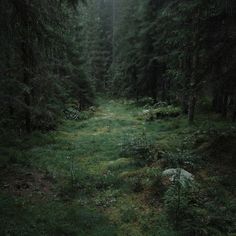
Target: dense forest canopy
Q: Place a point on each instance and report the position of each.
(40, 67)
(119, 116)
(180, 52)
(176, 51)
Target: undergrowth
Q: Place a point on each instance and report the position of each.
(104, 176)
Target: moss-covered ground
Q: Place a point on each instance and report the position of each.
(72, 181)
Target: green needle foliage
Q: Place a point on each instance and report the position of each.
(40, 67)
(176, 52)
(80, 80)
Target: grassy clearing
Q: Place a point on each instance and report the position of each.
(89, 188)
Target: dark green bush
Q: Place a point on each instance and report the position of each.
(160, 112)
(73, 113)
(192, 211)
(182, 158)
(167, 111)
(141, 149)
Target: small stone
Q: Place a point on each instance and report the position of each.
(183, 175)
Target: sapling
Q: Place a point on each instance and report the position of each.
(72, 170)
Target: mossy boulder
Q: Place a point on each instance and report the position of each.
(160, 113)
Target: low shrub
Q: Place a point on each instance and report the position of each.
(73, 113)
(160, 112)
(141, 149)
(192, 211)
(181, 158)
(167, 111)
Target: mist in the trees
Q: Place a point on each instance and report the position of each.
(117, 117)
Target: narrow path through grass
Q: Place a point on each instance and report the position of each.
(94, 147)
(89, 195)
(75, 181)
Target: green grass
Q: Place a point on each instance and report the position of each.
(97, 200)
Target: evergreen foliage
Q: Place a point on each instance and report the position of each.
(177, 51)
(99, 73)
(40, 67)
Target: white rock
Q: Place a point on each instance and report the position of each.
(146, 111)
(183, 175)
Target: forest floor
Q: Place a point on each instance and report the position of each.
(75, 181)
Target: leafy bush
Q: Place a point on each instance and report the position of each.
(167, 111)
(73, 113)
(181, 158)
(160, 112)
(141, 149)
(129, 213)
(193, 211)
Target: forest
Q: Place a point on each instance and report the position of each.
(118, 118)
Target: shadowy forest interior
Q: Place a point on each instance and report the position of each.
(118, 118)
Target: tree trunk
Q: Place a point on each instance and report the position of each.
(194, 79)
(26, 79)
(163, 88)
(184, 104)
(191, 108)
(234, 114)
(234, 110)
(217, 102)
(27, 99)
(27, 60)
(225, 105)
